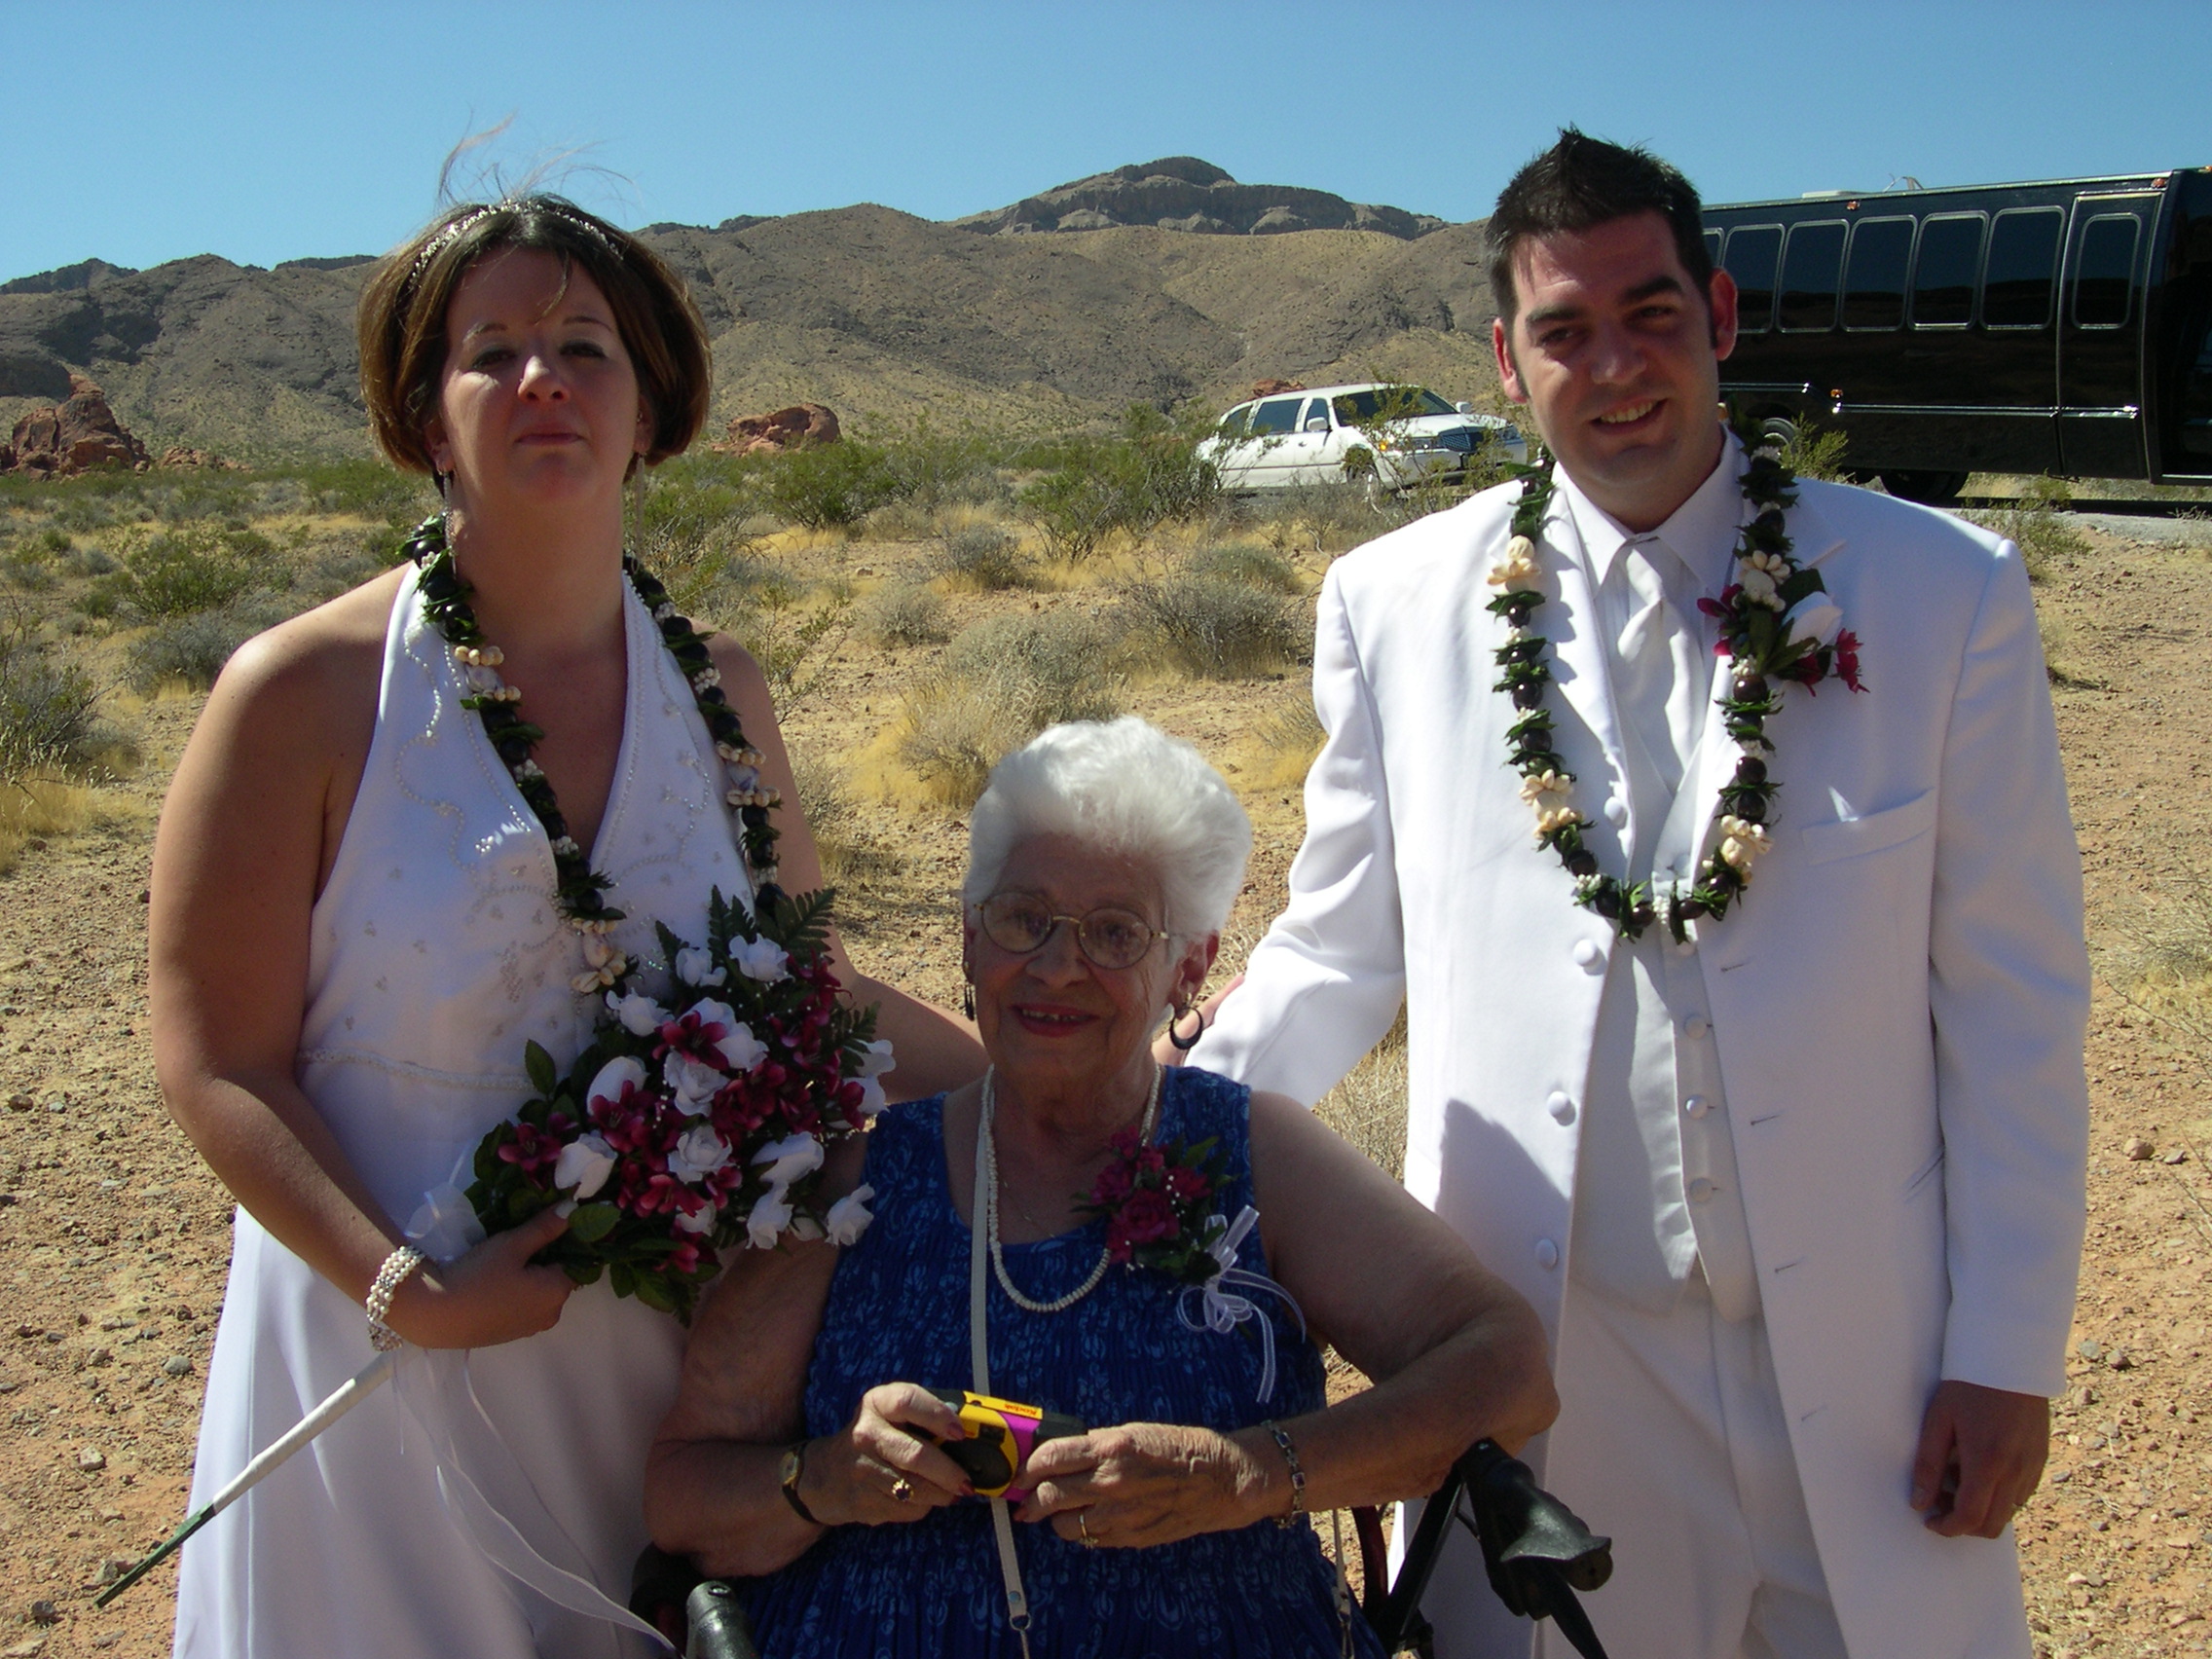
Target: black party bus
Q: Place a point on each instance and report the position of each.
(2061, 328)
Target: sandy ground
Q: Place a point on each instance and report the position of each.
(114, 1239)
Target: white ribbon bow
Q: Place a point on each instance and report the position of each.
(1222, 1310)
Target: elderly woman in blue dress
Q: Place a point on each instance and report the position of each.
(1057, 1234)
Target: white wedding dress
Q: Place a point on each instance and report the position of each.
(436, 952)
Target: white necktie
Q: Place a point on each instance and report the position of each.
(1661, 674)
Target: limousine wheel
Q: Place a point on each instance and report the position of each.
(1931, 489)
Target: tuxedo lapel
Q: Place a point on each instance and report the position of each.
(1814, 538)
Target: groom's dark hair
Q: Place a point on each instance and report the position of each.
(1581, 182)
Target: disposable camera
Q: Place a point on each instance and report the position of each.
(1001, 1436)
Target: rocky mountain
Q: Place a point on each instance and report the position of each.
(878, 313)
(1180, 193)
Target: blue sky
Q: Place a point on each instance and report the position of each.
(143, 132)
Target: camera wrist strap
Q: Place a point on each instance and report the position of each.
(979, 1362)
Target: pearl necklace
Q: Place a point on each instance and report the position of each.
(987, 1198)
(1757, 614)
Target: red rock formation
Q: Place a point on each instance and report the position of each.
(74, 438)
(802, 426)
(1276, 387)
(182, 455)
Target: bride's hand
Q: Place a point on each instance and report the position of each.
(491, 1295)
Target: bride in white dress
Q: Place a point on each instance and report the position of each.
(355, 930)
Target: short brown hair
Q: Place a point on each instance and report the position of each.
(1583, 182)
(403, 317)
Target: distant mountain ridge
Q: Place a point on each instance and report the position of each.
(1180, 193)
(876, 313)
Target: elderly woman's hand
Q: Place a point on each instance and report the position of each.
(1148, 1483)
(856, 1476)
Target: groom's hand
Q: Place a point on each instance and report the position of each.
(1981, 1452)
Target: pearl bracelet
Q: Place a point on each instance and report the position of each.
(1282, 1440)
(378, 1303)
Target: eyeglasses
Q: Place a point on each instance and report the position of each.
(1111, 937)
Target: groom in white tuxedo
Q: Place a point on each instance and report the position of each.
(1800, 1191)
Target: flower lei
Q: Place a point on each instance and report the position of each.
(1766, 638)
(681, 1128)
(577, 887)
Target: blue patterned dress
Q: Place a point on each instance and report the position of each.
(897, 1312)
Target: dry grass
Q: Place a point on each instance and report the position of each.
(34, 807)
(1002, 683)
(1369, 1107)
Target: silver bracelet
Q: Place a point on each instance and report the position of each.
(1282, 1437)
(378, 1303)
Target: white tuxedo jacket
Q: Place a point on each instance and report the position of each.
(1899, 998)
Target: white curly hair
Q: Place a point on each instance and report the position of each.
(1129, 789)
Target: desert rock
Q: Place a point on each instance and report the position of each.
(801, 426)
(74, 436)
(1276, 387)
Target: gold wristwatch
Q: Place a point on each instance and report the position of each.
(787, 1476)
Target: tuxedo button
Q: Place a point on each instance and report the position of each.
(1547, 1254)
(1616, 812)
(1587, 953)
(1696, 1026)
(1701, 1191)
(1697, 1105)
(1561, 1107)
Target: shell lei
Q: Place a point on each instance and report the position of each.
(578, 888)
(1763, 651)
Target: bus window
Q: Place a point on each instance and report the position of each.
(1950, 258)
(1753, 252)
(2023, 256)
(2104, 272)
(1810, 268)
(1874, 283)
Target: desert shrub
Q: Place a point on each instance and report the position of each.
(983, 557)
(366, 489)
(31, 570)
(1288, 741)
(935, 470)
(47, 704)
(51, 539)
(904, 613)
(1242, 562)
(88, 562)
(1210, 627)
(193, 648)
(849, 855)
(1088, 486)
(197, 566)
(1815, 451)
(1002, 683)
(831, 485)
(2037, 527)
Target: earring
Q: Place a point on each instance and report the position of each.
(442, 479)
(967, 1000)
(1175, 1037)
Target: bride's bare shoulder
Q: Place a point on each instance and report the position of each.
(322, 662)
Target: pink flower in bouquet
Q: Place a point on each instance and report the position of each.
(1847, 659)
(532, 1150)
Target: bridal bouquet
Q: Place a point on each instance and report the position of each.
(699, 1119)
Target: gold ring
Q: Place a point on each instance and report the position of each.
(902, 1489)
(1083, 1525)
